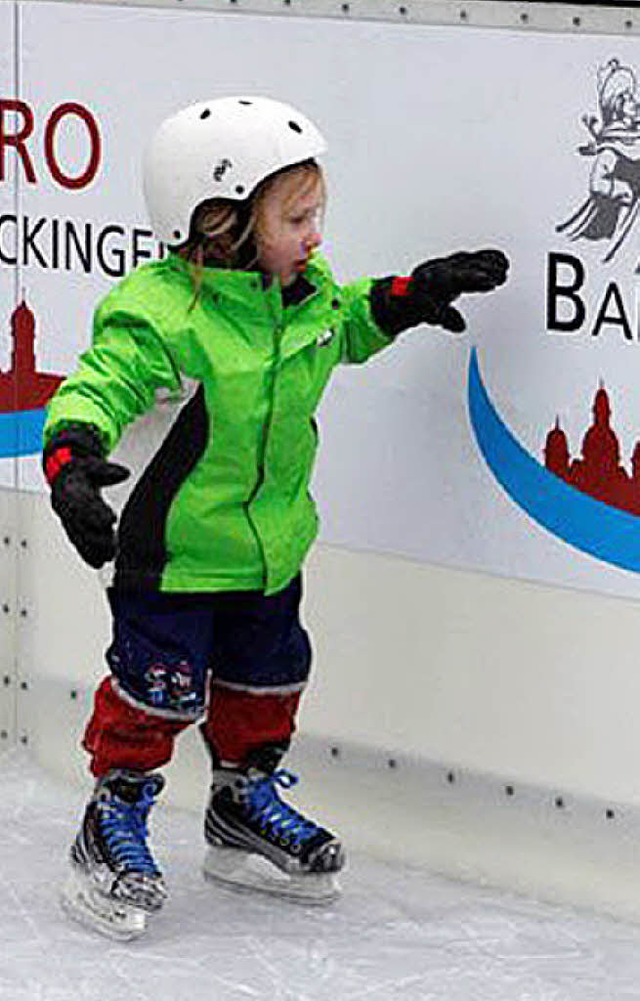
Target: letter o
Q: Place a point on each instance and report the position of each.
(90, 171)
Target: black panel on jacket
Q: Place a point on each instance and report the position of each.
(142, 553)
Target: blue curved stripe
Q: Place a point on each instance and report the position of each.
(585, 523)
(21, 432)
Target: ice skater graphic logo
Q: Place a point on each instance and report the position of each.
(221, 168)
(611, 210)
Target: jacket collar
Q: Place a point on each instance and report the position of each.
(298, 291)
(221, 280)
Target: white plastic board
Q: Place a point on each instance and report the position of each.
(422, 161)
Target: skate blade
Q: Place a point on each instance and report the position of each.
(84, 903)
(247, 871)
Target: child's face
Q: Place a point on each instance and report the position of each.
(289, 231)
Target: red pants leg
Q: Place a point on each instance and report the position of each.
(239, 722)
(119, 735)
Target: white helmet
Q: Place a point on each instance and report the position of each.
(220, 149)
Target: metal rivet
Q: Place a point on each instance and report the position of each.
(524, 18)
(335, 752)
(23, 613)
(24, 685)
(6, 680)
(610, 814)
(577, 21)
(23, 543)
(509, 790)
(450, 778)
(6, 540)
(559, 803)
(24, 739)
(392, 763)
(463, 15)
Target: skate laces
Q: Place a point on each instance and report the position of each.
(124, 827)
(267, 809)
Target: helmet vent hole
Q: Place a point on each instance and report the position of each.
(247, 104)
(295, 127)
(177, 234)
(206, 113)
(239, 189)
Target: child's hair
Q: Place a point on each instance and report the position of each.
(225, 233)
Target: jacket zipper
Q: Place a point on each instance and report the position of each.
(278, 328)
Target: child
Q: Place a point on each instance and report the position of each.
(245, 318)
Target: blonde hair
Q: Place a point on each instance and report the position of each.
(295, 182)
(226, 234)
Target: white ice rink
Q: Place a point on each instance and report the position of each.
(397, 933)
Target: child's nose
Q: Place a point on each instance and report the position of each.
(314, 239)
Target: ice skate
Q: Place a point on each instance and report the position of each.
(114, 882)
(258, 842)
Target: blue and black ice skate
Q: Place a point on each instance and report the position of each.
(114, 882)
(258, 842)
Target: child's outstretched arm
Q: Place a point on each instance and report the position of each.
(426, 296)
(115, 382)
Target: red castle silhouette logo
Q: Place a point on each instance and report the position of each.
(598, 472)
(22, 387)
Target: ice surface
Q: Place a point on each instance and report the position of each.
(397, 933)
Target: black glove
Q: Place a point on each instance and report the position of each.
(76, 470)
(426, 296)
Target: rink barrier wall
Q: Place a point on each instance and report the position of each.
(9, 668)
(484, 784)
(483, 829)
(476, 725)
(570, 18)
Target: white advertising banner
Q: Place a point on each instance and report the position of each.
(513, 449)
(9, 444)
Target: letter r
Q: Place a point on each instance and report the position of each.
(18, 138)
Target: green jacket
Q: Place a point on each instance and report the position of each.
(224, 504)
